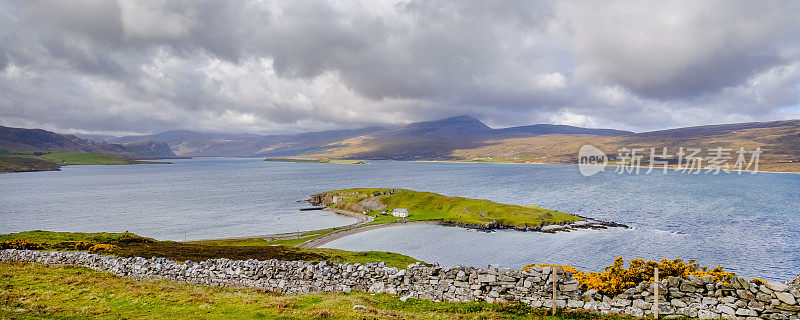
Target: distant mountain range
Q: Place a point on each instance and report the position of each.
(457, 138)
(38, 140)
(419, 140)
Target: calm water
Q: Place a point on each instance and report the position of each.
(748, 223)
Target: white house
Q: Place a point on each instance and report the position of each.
(400, 213)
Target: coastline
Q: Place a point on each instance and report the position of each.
(320, 237)
(575, 164)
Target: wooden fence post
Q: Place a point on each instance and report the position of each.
(655, 292)
(555, 279)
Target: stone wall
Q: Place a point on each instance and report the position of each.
(692, 297)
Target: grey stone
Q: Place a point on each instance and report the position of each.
(776, 286)
(746, 312)
(707, 314)
(785, 297)
(620, 302)
(725, 309)
(678, 303)
(641, 304)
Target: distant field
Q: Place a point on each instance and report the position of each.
(74, 158)
(22, 164)
(427, 206)
(46, 161)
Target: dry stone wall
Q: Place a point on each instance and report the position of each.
(692, 297)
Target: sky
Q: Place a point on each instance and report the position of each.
(122, 67)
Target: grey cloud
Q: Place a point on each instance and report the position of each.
(305, 65)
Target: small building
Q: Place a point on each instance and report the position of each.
(400, 213)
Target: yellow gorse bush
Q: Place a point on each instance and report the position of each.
(20, 244)
(758, 281)
(616, 278)
(102, 248)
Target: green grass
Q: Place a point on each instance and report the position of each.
(75, 158)
(25, 164)
(51, 237)
(34, 291)
(131, 245)
(427, 206)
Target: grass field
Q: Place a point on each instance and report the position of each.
(33, 291)
(22, 164)
(74, 158)
(131, 245)
(427, 206)
(25, 162)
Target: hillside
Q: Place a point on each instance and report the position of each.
(200, 144)
(22, 164)
(38, 140)
(418, 140)
(459, 138)
(778, 140)
(427, 206)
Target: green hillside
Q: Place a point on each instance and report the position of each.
(75, 158)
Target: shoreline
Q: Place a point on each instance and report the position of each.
(328, 235)
(672, 168)
(323, 240)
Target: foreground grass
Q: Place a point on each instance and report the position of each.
(33, 291)
(131, 245)
(427, 206)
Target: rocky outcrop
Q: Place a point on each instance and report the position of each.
(691, 297)
(356, 202)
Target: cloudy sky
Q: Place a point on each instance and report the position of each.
(289, 66)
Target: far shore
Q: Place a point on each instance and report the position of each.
(671, 167)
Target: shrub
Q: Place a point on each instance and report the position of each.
(132, 238)
(616, 278)
(21, 244)
(757, 281)
(102, 248)
(82, 245)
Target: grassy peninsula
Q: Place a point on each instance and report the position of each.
(49, 161)
(428, 206)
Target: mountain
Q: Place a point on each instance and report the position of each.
(200, 144)
(438, 140)
(778, 140)
(456, 138)
(38, 140)
(539, 129)
(419, 140)
(150, 149)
